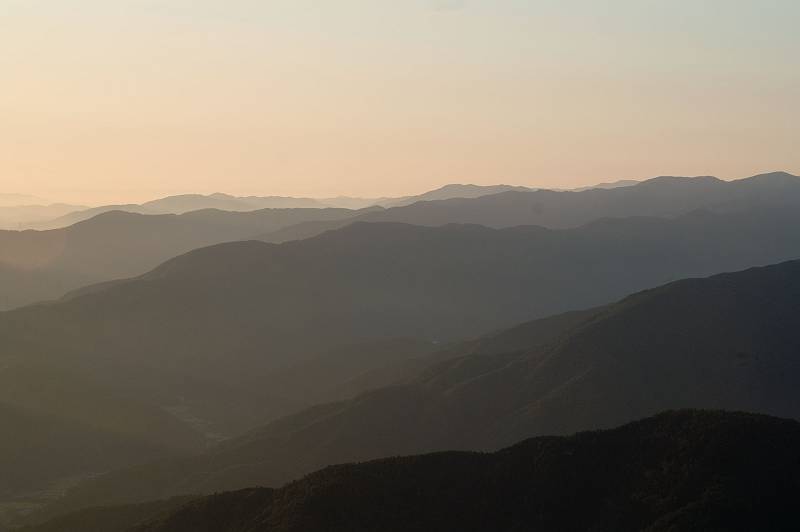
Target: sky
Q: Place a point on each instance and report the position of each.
(127, 100)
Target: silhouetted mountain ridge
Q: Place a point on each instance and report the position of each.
(42, 265)
(678, 471)
(47, 264)
(662, 197)
(26, 215)
(184, 203)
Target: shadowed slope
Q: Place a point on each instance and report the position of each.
(42, 455)
(729, 341)
(206, 329)
(112, 518)
(678, 471)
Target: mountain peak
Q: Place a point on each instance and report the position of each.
(680, 180)
(773, 177)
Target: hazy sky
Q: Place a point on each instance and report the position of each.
(110, 100)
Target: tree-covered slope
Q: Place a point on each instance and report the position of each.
(678, 471)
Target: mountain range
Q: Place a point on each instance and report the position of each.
(184, 203)
(684, 470)
(725, 342)
(21, 211)
(174, 332)
(660, 197)
(252, 363)
(41, 265)
(26, 216)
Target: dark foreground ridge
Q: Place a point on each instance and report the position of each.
(678, 471)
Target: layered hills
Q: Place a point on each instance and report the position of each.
(236, 336)
(183, 203)
(661, 197)
(724, 342)
(677, 471)
(214, 322)
(41, 265)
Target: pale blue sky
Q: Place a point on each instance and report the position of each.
(128, 99)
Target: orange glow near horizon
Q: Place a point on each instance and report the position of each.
(133, 99)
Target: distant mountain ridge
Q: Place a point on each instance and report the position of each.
(184, 203)
(17, 217)
(41, 218)
(611, 184)
(41, 265)
(453, 191)
(109, 242)
(661, 196)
